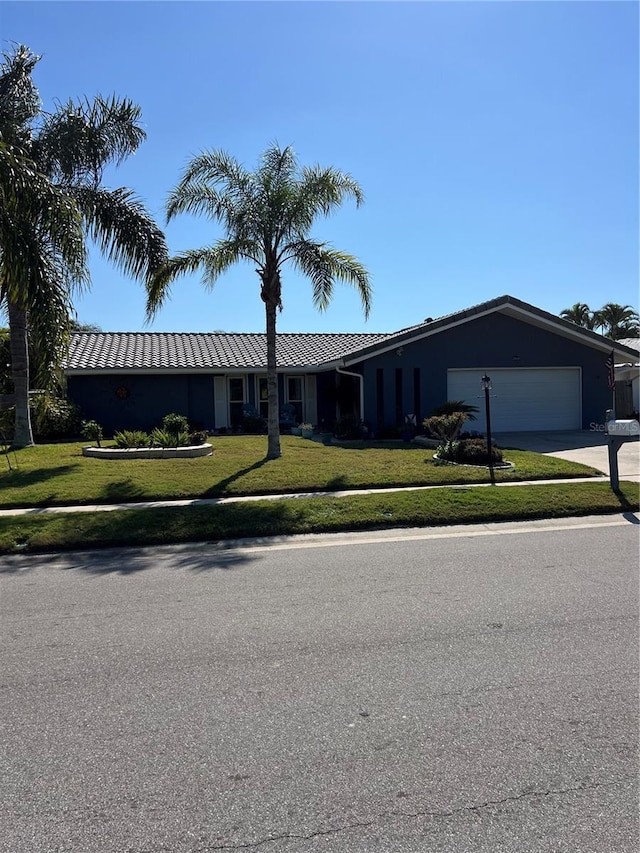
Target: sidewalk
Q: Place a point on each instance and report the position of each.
(290, 496)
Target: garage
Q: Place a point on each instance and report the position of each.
(522, 399)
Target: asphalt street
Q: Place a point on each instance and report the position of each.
(473, 689)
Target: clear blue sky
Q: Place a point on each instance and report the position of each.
(496, 143)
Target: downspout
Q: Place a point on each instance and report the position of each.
(360, 377)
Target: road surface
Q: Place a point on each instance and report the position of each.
(467, 690)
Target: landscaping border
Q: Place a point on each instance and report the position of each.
(497, 466)
(190, 452)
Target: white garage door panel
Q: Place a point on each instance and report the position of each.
(522, 399)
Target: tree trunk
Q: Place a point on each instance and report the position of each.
(19, 349)
(273, 421)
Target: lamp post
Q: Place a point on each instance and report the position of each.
(486, 387)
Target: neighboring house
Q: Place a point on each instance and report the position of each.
(547, 373)
(628, 381)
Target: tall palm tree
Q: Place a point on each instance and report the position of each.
(580, 314)
(51, 200)
(618, 321)
(267, 216)
(41, 241)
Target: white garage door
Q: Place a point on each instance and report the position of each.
(522, 399)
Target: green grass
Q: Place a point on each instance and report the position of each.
(58, 474)
(310, 515)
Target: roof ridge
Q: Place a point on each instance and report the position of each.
(241, 334)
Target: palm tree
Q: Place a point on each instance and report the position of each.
(580, 314)
(267, 216)
(40, 230)
(618, 321)
(51, 199)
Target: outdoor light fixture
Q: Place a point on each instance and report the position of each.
(486, 383)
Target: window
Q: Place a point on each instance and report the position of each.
(295, 395)
(236, 399)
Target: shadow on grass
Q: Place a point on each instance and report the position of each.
(219, 530)
(391, 444)
(336, 484)
(121, 490)
(627, 506)
(21, 479)
(221, 487)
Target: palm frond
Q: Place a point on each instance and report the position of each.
(32, 211)
(19, 98)
(318, 192)
(158, 285)
(77, 141)
(122, 228)
(216, 167)
(212, 260)
(225, 253)
(199, 198)
(324, 265)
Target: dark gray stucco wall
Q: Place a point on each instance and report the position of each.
(491, 341)
(149, 399)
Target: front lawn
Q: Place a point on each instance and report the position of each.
(197, 523)
(58, 474)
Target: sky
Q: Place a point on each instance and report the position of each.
(496, 144)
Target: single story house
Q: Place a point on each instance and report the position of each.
(546, 373)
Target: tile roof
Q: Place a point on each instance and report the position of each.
(211, 351)
(207, 351)
(632, 343)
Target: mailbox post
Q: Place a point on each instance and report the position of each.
(617, 433)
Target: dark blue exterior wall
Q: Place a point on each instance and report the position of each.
(494, 340)
(149, 399)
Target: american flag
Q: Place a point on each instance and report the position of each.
(611, 372)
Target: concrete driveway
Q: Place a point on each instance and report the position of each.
(585, 446)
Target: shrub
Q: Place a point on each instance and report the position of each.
(253, 425)
(131, 438)
(91, 431)
(348, 428)
(470, 451)
(445, 427)
(54, 417)
(197, 437)
(453, 406)
(165, 438)
(175, 423)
